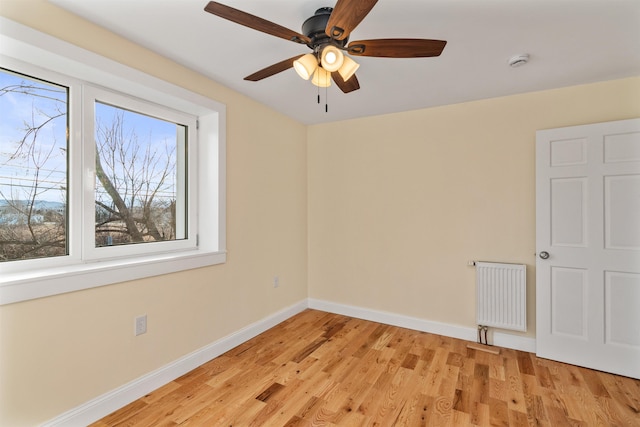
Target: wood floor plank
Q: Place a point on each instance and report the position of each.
(321, 369)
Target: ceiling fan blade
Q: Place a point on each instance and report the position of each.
(346, 16)
(272, 69)
(348, 86)
(397, 48)
(255, 22)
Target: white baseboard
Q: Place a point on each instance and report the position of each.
(101, 406)
(499, 338)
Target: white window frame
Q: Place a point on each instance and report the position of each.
(91, 95)
(26, 50)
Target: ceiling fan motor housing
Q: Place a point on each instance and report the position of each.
(314, 28)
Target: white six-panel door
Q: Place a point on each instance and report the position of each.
(588, 246)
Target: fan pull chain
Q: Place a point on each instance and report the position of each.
(326, 99)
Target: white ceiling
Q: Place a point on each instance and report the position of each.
(569, 42)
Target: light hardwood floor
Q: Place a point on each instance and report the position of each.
(321, 369)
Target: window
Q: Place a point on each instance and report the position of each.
(33, 168)
(140, 168)
(142, 162)
(100, 171)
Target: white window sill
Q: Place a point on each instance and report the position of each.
(23, 286)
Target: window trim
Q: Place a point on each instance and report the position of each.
(24, 45)
(91, 95)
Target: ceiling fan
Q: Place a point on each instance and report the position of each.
(326, 33)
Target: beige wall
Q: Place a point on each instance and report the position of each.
(57, 353)
(399, 204)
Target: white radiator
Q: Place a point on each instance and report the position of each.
(501, 295)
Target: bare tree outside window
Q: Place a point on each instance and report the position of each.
(137, 186)
(33, 168)
(140, 189)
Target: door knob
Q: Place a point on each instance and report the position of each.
(544, 255)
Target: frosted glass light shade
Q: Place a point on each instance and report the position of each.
(331, 58)
(321, 78)
(305, 65)
(348, 68)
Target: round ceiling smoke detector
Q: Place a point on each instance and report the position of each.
(518, 60)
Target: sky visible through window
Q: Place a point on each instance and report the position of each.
(137, 147)
(33, 139)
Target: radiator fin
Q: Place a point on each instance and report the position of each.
(501, 295)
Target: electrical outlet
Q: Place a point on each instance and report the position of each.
(276, 281)
(141, 325)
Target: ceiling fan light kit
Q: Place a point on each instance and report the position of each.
(348, 69)
(326, 33)
(321, 78)
(305, 65)
(331, 58)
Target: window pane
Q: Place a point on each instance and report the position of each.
(140, 192)
(33, 168)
